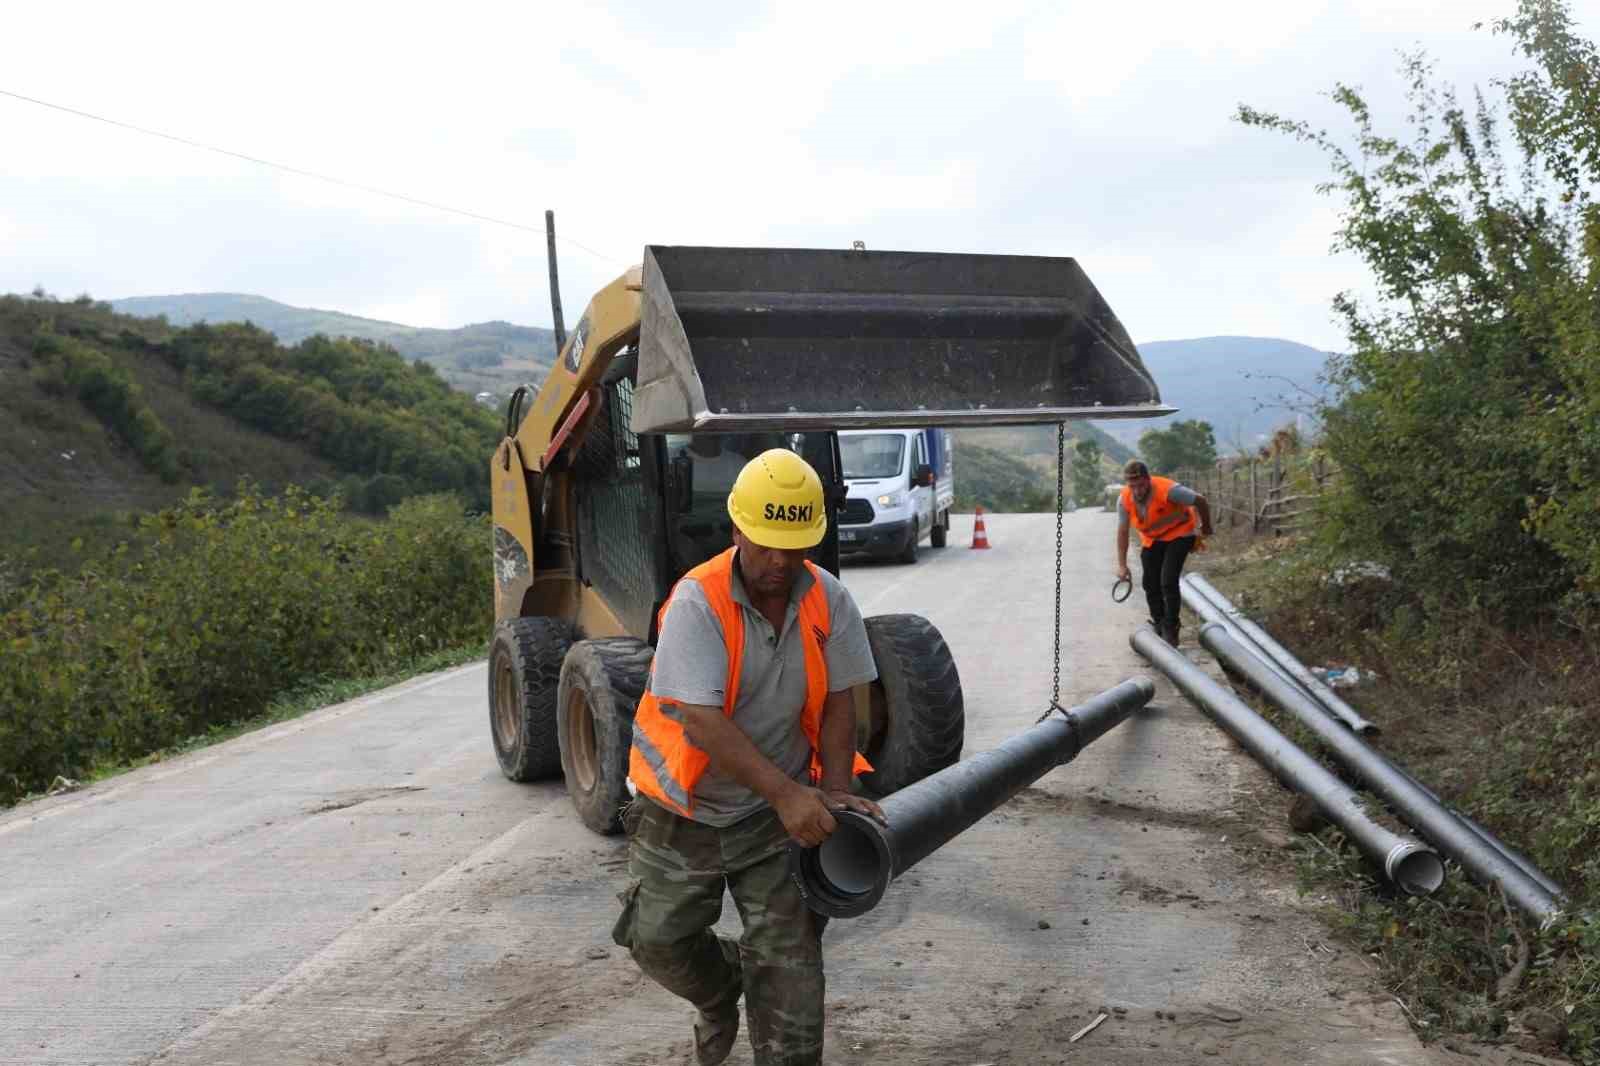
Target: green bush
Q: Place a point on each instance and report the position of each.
(1467, 418)
(227, 605)
(357, 404)
(64, 365)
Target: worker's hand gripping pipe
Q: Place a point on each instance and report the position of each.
(848, 873)
(1411, 865)
(1451, 834)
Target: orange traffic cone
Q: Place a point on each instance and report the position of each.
(980, 536)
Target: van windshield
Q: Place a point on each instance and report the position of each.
(873, 455)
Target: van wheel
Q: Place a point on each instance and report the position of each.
(918, 719)
(908, 554)
(524, 667)
(601, 682)
(940, 532)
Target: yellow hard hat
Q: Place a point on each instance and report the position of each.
(777, 501)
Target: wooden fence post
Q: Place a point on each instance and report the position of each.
(1255, 515)
(1277, 489)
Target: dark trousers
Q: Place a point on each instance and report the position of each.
(1162, 563)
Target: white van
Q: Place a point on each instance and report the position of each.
(901, 487)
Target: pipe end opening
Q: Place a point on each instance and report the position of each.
(847, 874)
(1415, 870)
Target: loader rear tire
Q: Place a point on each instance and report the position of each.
(524, 668)
(601, 682)
(918, 717)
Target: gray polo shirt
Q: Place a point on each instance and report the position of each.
(691, 666)
(1181, 495)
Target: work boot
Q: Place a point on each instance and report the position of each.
(714, 1035)
(1169, 633)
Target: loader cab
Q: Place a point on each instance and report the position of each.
(699, 470)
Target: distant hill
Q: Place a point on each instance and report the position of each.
(1235, 383)
(103, 414)
(482, 357)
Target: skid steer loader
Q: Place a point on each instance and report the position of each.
(612, 479)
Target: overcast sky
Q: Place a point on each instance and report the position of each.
(1098, 130)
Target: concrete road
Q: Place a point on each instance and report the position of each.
(362, 886)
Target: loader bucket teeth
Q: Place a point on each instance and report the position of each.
(789, 339)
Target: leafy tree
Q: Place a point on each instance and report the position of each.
(1465, 413)
(1087, 480)
(1180, 446)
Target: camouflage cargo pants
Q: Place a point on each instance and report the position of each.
(678, 871)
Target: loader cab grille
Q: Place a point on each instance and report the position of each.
(617, 549)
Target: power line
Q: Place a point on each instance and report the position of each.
(309, 173)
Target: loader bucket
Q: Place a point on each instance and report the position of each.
(777, 339)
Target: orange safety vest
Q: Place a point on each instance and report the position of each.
(664, 763)
(1163, 520)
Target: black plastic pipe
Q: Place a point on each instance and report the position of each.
(1281, 657)
(847, 874)
(1409, 864)
(1203, 598)
(1435, 822)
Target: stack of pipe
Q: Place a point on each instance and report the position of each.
(1273, 671)
(1410, 865)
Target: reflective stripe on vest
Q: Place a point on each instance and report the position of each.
(664, 763)
(1163, 520)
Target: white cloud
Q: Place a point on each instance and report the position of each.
(1096, 130)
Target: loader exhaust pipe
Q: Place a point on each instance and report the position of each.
(847, 875)
(1448, 831)
(1409, 865)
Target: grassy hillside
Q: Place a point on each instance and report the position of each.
(105, 415)
(1235, 383)
(1013, 468)
(999, 481)
(65, 474)
(482, 357)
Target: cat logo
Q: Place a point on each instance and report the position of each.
(777, 512)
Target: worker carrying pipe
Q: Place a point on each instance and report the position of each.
(1166, 515)
(847, 875)
(743, 742)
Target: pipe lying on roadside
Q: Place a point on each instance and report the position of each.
(847, 874)
(1212, 606)
(1410, 865)
(1270, 649)
(1517, 858)
(1432, 820)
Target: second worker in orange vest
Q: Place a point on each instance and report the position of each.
(743, 741)
(1164, 512)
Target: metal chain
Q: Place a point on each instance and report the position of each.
(1061, 496)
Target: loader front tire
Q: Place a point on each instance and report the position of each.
(601, 682)
(918, 717)
(524, 668)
